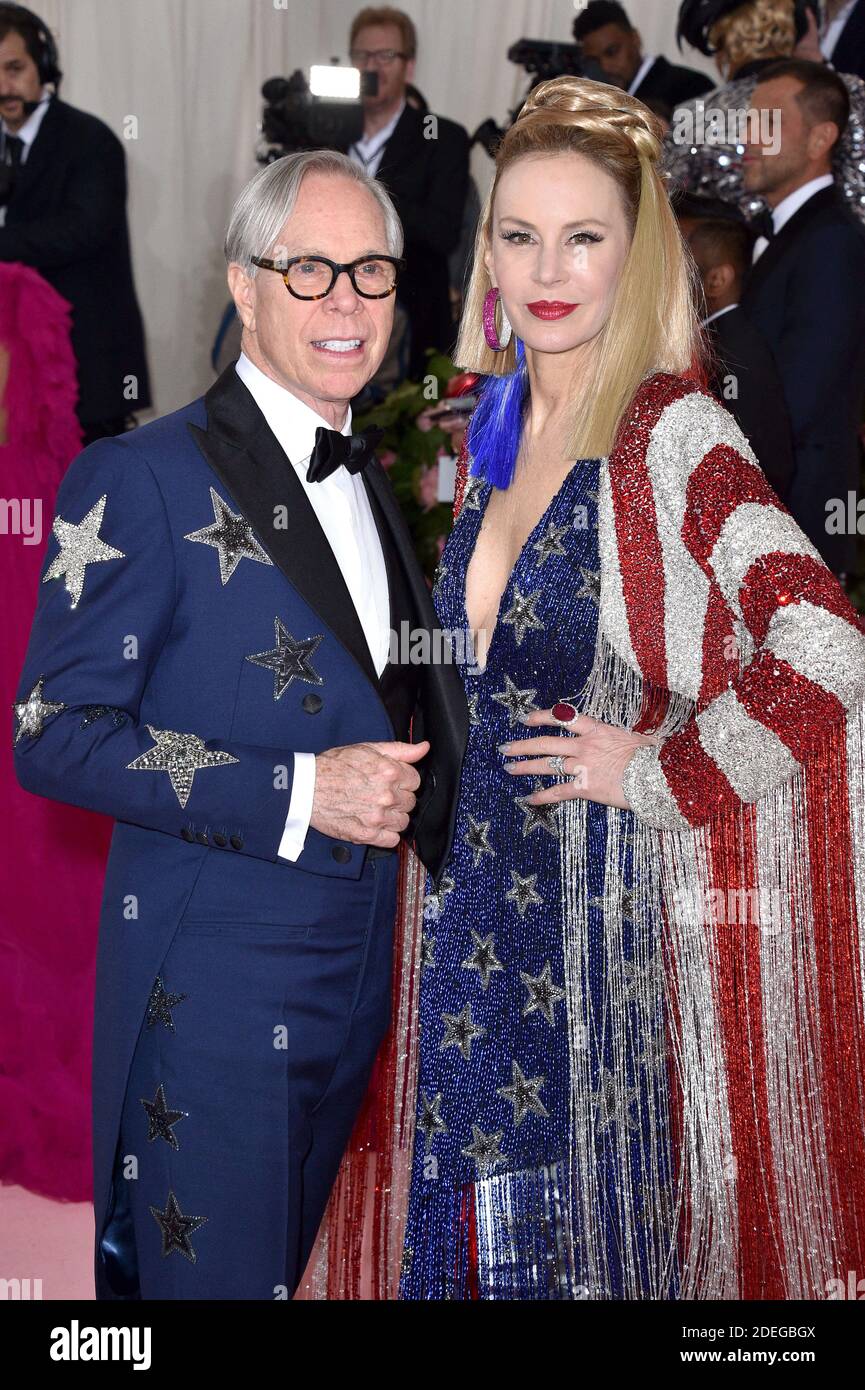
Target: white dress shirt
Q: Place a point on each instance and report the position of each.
(344, 513)
(787, 206)
(641, 72)
(368, 152)
(718, 312)
(833, 30)
(27, 134)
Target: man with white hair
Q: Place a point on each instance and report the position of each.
(209, 664)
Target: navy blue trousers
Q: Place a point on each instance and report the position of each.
(242, 1094)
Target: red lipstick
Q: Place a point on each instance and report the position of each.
(551, 309)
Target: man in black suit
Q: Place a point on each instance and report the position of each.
(64, 192)
(805, 291)
(745, 377)
(609, 39)
(423, 161)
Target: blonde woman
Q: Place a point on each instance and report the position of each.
(622, 1093)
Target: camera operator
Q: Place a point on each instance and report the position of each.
(63, 212)
(423, 161)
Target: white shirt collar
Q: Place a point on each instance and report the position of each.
(293, 422)
(30, 128)
(718, 312)
(792, 203)
(367, 146)
(833, 30)
(641, 72)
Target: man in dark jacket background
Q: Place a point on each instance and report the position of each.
(423, 161)
(63, 212)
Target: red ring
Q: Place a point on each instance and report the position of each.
(564, 713)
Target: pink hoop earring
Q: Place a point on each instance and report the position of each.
(497, 342)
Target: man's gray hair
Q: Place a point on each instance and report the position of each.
(264, 205)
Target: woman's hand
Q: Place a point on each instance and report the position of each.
(596, 758)
(809, 44)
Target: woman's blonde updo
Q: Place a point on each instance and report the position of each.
(653, 324)
(757, 29)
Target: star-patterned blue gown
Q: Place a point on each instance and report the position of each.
(487, 1217)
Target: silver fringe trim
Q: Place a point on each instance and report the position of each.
(671, 890)
(666, 866)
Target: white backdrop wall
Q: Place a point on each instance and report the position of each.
(190, 73)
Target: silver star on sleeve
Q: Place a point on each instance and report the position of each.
(32, 712)
(80, 546)
(180, 755)
(231, 535)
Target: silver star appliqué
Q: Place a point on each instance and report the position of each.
(653, 1055)
(473, 493)
(231, 535)
(550, 543)
(160, 1004)
(591, 586)
(461, 1032)
(483, 958)
(177, 1228)
(484, 1149)
(290, 660)
(80, 546)
(517, 702)
(440, 574)
(161, 1120)
(521, 615)
(474, 717)
(32, 712)
(523, 893)
(180, 755)
(626, 903)
(430, 1122)
(427, 952)
(523, 1094)
(650, 976)
(476, 839)
(434, 902)
(614, 1104)
(543, 994)
(546, 816)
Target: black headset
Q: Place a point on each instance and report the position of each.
(48, 59)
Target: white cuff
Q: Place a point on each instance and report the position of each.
(299, 807)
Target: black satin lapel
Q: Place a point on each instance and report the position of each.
(245, 455)
(381, 493)
(784, 239)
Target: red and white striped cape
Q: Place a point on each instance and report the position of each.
(721, 628)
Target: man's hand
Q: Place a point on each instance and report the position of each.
(365, 792)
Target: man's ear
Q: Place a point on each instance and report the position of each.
(242, 288)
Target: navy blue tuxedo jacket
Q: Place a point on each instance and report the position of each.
(142, 632)
(806, 295)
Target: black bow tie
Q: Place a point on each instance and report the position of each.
(763, 224)
(331, 449)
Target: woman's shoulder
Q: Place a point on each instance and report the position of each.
(670, 405)
(673, 424)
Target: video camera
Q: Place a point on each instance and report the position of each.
(325, 112)
(542, 59)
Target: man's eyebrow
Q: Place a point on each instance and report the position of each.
(580, 222)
